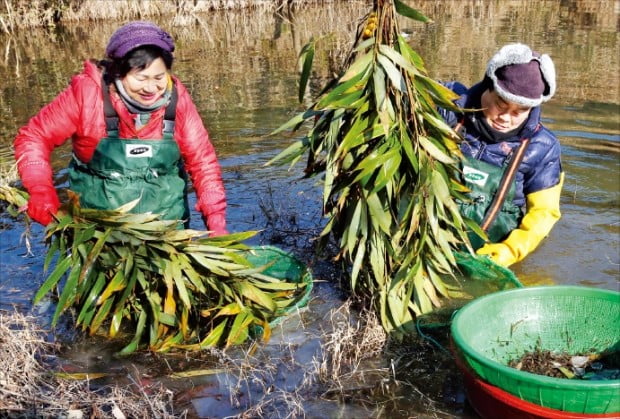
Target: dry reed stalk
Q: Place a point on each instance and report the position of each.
(348, 345)
(28, 389)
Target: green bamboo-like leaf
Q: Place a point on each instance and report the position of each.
(350, 100)
(438, 282)
(229, 310)
(167, 319)
(61, 268)
(357, 263)
(52, 250)
(94, 253)
(119, 311)
(117, 283)
(67, 296)
(399, 60)
(306, 57)
(88, 307)
(214, 337)
(421, 299)
(239, 329)
(408, 53)
(279, 286)
(442, 96)
(353, 225)
(252, 293)
(387, 170)
(379, 88)
(232, 240)
(135, 342)
(394, 75)
(475, 227)
(347, 89)
(354, 137)
(296, 120)
(434, 151)
(379, 214)
(403, 9)
(359, 67)
(101, 315)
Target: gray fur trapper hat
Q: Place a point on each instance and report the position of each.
(522, 76)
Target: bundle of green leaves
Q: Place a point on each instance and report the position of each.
(389, 165)
(175, 288)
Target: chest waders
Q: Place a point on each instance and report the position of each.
(122, 170)
(492, 196)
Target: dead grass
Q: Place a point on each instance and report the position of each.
(350, 342)
(16, 14)
(28, 388)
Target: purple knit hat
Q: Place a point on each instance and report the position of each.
(522, 76)
(136, 34)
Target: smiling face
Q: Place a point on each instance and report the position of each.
(147, 85)
(501, 115)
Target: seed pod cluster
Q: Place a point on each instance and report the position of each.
(371, 25)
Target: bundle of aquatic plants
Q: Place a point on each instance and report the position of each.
(170, 287)
(389, 168)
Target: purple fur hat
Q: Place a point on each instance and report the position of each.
(136, 34)
(522, 76)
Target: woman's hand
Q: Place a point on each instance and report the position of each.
(43, 204)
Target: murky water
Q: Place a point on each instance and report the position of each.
(241, 71)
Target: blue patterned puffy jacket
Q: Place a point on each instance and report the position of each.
(540, 168)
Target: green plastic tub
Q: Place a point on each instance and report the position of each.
(492, 330)
(282, 265)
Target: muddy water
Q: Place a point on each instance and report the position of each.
(241, 71)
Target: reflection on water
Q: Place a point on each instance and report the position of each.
(241, 71)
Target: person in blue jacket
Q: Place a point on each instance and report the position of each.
(511, 161)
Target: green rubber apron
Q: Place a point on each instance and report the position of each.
(484, 180)
(123, 170)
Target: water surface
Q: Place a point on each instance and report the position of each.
(241, 71)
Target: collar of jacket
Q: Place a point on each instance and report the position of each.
(471, 100)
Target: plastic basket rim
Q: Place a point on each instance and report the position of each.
(306, 278)
(515, 374)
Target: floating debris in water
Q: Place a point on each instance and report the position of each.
(592, 366)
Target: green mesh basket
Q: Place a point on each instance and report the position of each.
(492, 330)
(476, 276)
(282, 265)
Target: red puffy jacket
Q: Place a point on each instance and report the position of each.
(77, 113)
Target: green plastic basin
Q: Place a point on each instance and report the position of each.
(492, 330)
(282, 265)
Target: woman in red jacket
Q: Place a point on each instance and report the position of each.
(135, 133)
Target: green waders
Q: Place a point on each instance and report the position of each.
(484, 180)
(122, 170)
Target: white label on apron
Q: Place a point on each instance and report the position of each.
(475, 176)
(138, 150)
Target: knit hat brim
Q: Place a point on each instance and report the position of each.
(521, 76)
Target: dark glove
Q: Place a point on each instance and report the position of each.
(43, 203)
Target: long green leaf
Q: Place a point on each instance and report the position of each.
(306, 57)
(61, 267)
(403, 9)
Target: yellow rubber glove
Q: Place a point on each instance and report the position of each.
(543, 211)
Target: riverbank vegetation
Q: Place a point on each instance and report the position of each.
(16, 14)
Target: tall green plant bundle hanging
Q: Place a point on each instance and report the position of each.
(389, 167)
(166, 287)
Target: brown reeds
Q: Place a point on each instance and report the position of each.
(29, 388)
(348, 348)
(16, 14)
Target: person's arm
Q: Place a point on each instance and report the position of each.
(201, 164)
(34, 144)
(543, 211)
